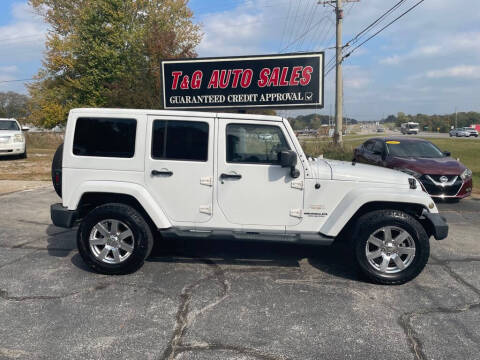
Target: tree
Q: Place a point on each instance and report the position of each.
(107, 53)
(13, 105)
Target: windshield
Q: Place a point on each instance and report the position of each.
(413, 149)
(412, 126)
(9, 125)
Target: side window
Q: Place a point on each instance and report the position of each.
(254, 144)
(180, 140)
(105, 137)
(369, 145)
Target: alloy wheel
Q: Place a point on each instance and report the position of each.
(390, 249)
(111, 241)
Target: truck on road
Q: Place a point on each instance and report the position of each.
(409, 128)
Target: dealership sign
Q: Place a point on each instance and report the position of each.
(273, 81)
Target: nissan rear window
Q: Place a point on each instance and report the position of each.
(105, 137)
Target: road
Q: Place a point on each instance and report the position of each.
(230, 300)
(422, 134)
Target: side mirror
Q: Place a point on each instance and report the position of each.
(25, 128)
(447, 153)
(288, 158)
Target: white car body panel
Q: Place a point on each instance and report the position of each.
(186, 195)
(7, 145)
(133, 186)
(265, 195)
(322, 200)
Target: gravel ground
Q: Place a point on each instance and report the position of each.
(10, 186)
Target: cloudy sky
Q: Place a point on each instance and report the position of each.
(427, 62)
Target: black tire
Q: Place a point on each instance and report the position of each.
(373, 221)
(142, 238)
(24, 155)
(57, 170)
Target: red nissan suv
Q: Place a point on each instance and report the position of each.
(440, 175)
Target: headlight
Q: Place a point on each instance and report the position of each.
(19, 138)
(466, 174)
(411, 172)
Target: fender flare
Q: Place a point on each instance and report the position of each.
(156, 213)
(356, 198)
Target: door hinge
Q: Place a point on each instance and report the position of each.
(298, 213)
(206, 209)
(206, 180)
(297, 184)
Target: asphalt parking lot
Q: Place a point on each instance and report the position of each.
(230, 300)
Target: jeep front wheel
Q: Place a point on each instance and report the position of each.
(391, 246)
(114, 239)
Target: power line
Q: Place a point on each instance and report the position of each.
(303, 35)
(294, 21)
(22, 37)
(321, 31)
(310, 18)
(285, 25)
(393, 8)
(383, 28)
(357, 37)
(16, 80)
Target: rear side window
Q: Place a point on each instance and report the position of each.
(180, 140)
(105, 137)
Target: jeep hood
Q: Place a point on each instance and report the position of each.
(345, 171)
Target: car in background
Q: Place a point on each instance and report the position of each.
(471, 131)
(379, 130)
(12, 139)
(440, 175)
(460, 132)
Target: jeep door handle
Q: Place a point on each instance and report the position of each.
(162, 173)
(230, 176)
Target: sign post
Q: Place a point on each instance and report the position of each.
(270, 81)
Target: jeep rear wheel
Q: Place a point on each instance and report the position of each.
(391, 247)
(114, 239)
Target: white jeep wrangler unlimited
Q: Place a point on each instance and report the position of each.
(125, 174)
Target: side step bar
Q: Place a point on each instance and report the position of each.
(226, 234)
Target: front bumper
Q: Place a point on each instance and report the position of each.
(12, 149)
(61, 216)
(438, 225)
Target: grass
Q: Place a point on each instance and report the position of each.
(467, 150)
(37, 166)
(43, 141)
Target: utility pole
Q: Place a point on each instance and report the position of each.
(338, 5)
(337, 137)
(456, 118)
